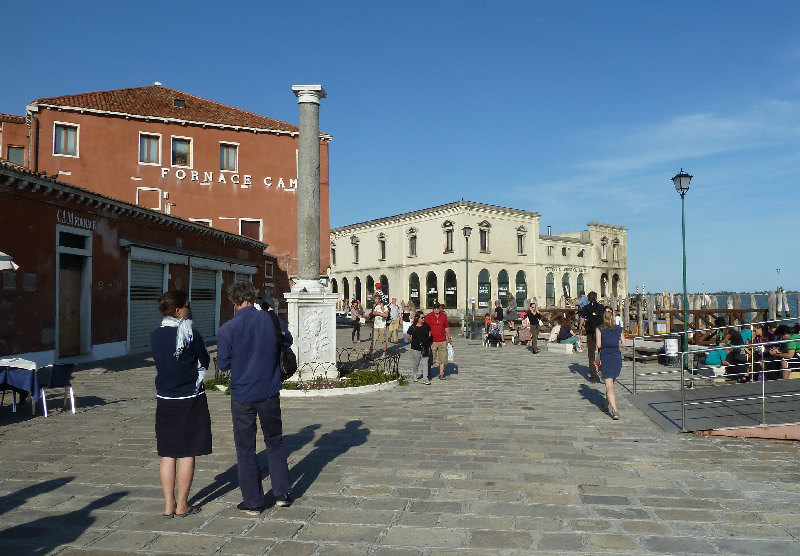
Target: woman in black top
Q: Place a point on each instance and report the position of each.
(536, 320)
(183, 424)
(420, 335)
(406, 318)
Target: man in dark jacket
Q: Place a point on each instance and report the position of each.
(592, 315)
(248, 346)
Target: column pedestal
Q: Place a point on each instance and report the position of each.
(312, 322)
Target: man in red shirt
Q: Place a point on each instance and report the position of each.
(440, 335)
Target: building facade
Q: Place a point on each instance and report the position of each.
(88, 269)
(176, 154)
(421, 257)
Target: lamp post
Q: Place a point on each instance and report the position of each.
(467, 231)
(681, 181)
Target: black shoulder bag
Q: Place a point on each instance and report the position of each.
(286, 358)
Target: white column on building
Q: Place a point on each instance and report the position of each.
(312, 312)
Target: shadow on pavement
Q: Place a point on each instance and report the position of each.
(592, 395)
(15, 499)
(43, 535)
(578, 369)
(328, 447)
(228, 480)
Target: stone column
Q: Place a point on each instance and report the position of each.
(308, 203)
(312, 312)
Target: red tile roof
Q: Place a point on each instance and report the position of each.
(11, 118)
(157, 101)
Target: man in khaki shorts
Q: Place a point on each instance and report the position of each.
(379, 314)
(440, 334)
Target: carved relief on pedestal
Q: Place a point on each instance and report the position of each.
(315, 337)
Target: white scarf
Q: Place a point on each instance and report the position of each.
(184, 337)
(182, 341)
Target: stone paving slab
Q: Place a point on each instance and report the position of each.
(510, 455)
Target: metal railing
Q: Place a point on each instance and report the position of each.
(686, 359)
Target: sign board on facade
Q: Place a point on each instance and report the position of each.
(244, 180)
(66, 217)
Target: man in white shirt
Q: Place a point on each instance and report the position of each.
(379, 314)
(394, 320)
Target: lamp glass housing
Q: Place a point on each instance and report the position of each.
(681, 181)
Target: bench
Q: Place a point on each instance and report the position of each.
(566, 349)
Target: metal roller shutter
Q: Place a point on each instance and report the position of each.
(204, 301)
(147, 285)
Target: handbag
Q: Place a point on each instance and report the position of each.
(450, 353)
(287, 360)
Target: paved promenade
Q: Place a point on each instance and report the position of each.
(510, 455)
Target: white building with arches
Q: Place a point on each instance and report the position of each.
(421, 257)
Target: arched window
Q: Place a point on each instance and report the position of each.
(357, 288)
(550, 290)
(450, 290)
(522, 288)
(346, 289)
(354, 242)
(412, 241)
(413, 290)
(604, 249)
(334, 286)
(382, 246)
(385, 285)
(565, 285)
(604, 285)
(484, 290)
(580, 287)
(370, 291)
(447, 227)
(485, 228)
(502, 287)
(615, 285)
(431, 290)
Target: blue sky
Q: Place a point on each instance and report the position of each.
(577, 110)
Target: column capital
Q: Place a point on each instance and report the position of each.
(308, 93)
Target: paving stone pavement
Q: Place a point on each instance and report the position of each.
(510, 455)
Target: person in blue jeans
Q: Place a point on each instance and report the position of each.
(248, 346)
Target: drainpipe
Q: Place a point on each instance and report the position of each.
(33, 140)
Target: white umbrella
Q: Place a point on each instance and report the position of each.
(6, 263)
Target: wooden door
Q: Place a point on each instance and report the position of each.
(69, 305)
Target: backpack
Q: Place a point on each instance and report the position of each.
(593, 315)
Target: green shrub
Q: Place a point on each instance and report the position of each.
(361, 377)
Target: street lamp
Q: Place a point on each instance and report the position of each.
(467, 231)
(681, 181)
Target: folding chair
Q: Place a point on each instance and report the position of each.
(56, 376)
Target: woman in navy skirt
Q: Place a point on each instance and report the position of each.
(609, 343)
(183, 424)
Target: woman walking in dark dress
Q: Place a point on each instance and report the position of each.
(183, 424)
(609, 343)
(419, 336)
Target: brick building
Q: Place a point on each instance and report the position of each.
(177, 154)
(89, 268)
